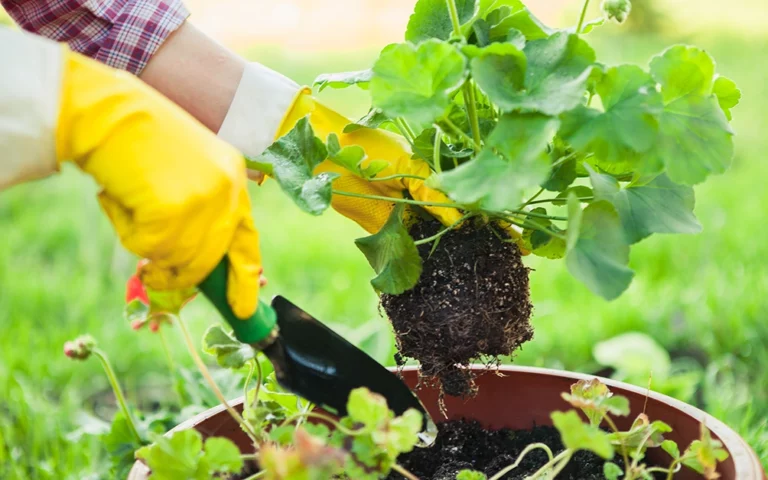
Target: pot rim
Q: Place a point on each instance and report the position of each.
(744, 458)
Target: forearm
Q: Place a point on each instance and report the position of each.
(197, 73)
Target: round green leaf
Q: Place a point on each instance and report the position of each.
(416, 82)
(430, 19)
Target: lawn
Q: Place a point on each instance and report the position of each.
(62, 273)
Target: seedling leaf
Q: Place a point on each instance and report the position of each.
(471, 475)
(367, 408)
(611, 471)
(229, 352)
(595, 399)
(223, 456)
(728, 94)
(293, 158)
(416, 82)
(556, 76)
(181, 455)
(597, 252)
(430, 19)
(360, 78)
(704, 454)
(671, 448)
(660, 206)
(393, 255)
(577, 435)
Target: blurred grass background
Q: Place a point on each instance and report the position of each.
(62, 273)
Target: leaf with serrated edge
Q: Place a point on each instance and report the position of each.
(360, 78)
(660, 206)
(393, 255)
(222, 455)
(597, 251)
(430, 19)
(577, 435)
(497, 69)
(229, 352)
(416, 82)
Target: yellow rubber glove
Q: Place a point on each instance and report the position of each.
(175, 194)
(378, 145)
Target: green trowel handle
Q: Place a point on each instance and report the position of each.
(252, 330)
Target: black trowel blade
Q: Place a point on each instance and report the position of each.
(314, 362)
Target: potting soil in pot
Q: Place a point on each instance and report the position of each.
(472, 299)
(464, 445)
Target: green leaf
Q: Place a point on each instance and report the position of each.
(403, 432)
(627, 126)
(471, 475)
(694, 139)
(597, 251)
(135, 310)
(498, 69)
(430, 19)
(540, 243)
(556, 76)
(596, 401)
(176, 456)
(373, 119)
(577, 435)
(636, 357)
(368, 408)
(660, 206)
(120, 443)
(293, 158)
(360, 78)
(416, 82)
(229, 352)
(671, 448)
(222, 456)
(393, 256)
(728, 94)
(353, 157)
(513, 160)
(616, 9)
(506, 16)
(611, 471)
(704, 454)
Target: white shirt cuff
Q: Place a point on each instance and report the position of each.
(260, 104)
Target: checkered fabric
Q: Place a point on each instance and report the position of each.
(123, 34)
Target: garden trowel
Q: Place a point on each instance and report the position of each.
(310, 359)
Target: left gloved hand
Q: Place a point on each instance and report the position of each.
(268, 105)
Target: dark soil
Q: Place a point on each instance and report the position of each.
(465, 445)
(472, 299)
(249, 469)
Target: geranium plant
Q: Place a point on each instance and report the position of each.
(537, 143)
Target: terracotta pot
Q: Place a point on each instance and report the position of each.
(524, 397)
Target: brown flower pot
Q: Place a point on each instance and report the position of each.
(523, 397)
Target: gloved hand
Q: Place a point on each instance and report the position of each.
(175, 194)
(267, 105)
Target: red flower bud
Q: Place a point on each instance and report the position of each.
(80, 348)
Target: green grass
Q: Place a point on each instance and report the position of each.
(62, 274)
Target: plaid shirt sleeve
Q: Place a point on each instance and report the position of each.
(123, 34)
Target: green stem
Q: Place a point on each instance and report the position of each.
(562, 160)
(461, 133)
(621, 440)
(534, 197)
(436, 156)
(259, 380)
(251, 368)
(538, 215)
(404, 130)
(402, 471)
(396, 200)
(550, 200)
(211, 382)
(534, 226)
(178, 386)
(520, 458)
(583, 15)
(563, 457)
(454, 14)
(408, 128)
(250, 456)
(673, 467)
(396, 176)
(469, 102)
(320, 416)
(443, 231)
(257, 475)
(118, 392)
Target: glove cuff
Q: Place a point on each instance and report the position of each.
(30, 87)
(258, 109)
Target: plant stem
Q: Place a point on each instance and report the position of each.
(251, 368)
(257, 475)
(401, 470)
(461, 133)
(320, 416)
(563, 457)
(396, 176)
(259, 380)
(549, 200)
(534, 197)
(583, 14)
(534, 226)
(396, 200)
(538, 215)
(673, 467)
(211, 382)
(118, 392)
(613, 426)
(408, 128)
(454, 14)
(400, 124)
(562, 160)
(177, 386)
(436, 156)
(469, 102)
(520, 458)
(444, 231)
